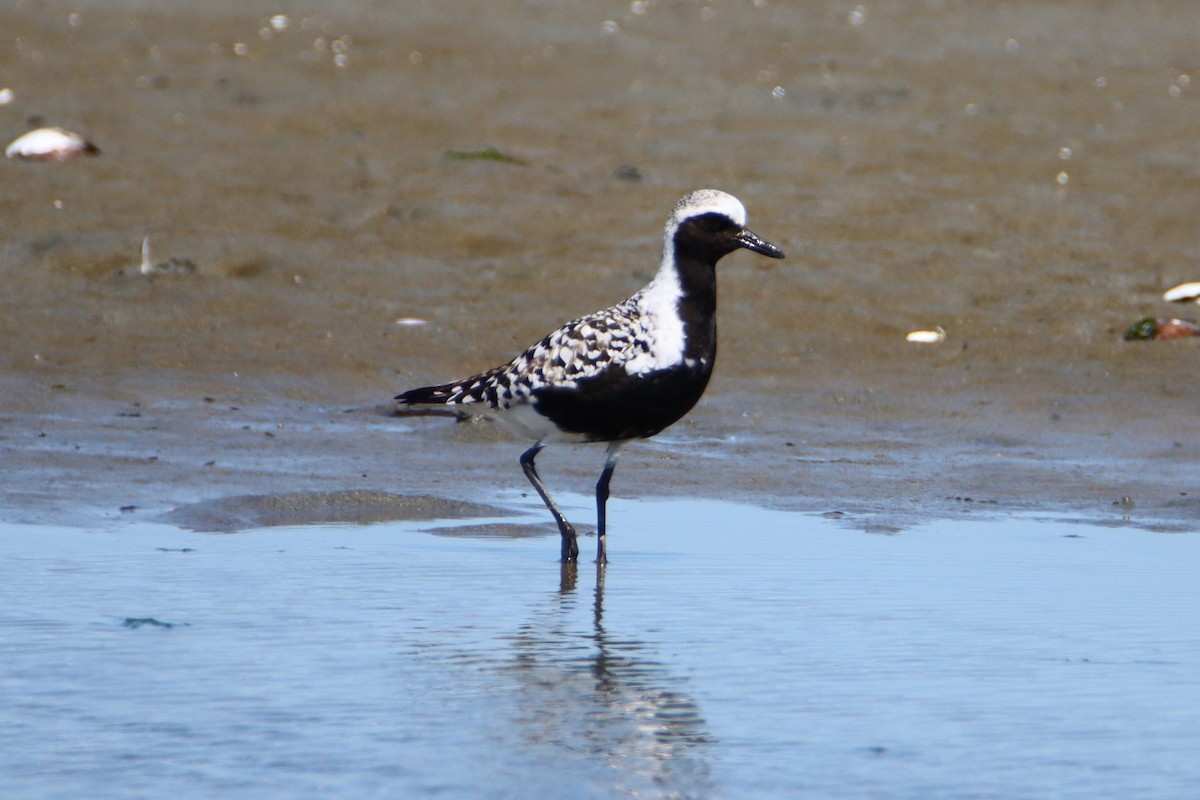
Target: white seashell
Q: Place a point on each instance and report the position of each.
(171, 266)
(50, 144)
(147, 257)
(1183, 293)
(926, 337)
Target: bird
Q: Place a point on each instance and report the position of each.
(620, 374)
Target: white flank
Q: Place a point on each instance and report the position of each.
(523, 420)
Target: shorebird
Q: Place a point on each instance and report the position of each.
(623, 373)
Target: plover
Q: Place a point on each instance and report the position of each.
(623, 373)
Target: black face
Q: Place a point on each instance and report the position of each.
(713, 235)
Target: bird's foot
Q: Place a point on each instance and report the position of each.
(570, 547)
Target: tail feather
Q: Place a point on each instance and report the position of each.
(426, 395)
(482, 388)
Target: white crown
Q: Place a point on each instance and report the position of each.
(708, 201)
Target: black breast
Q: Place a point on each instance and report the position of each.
(615, 405)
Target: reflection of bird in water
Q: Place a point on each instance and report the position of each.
(623, 373)
(590, 695)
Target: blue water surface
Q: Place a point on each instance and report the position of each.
(726, 652)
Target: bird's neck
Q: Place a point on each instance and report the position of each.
(686, 289)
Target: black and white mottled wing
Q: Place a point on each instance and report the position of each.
(581, 349)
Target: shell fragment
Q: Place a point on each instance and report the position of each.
(1183, 293)
(50, 144)
(170, 266)
(926, 337)
(1160, 330)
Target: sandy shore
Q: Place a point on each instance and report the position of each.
(1023, 175)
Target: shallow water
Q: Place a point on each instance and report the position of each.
(728, 651)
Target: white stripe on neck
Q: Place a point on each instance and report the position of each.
(658, 304)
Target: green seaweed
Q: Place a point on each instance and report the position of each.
(486, 154)
(1142, 330)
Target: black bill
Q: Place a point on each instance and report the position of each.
(751, 241)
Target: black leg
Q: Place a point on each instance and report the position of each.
(610, 464)
(570, 548)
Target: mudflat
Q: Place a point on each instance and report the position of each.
(378, 197)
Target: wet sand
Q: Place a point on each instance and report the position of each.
(1024, 175)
